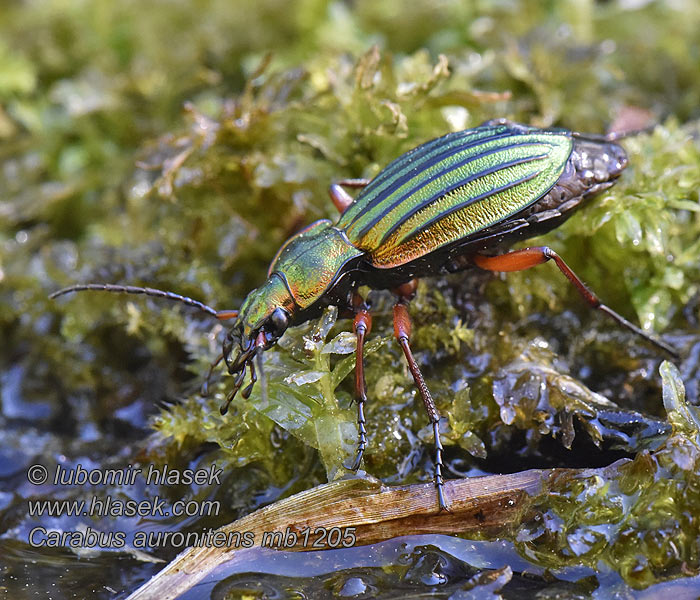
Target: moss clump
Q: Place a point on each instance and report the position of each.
(637, 516)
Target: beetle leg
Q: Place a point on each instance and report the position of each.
(341, 199)
(402, 332)
(204, 390)
(519, 260)
(223, 409)
(361, 327)
(354, 183)
(407, 290)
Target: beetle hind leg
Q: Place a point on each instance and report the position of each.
(402, 332)
(519, 260)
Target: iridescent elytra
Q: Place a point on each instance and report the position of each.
(453, 203)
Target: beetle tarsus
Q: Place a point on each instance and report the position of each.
(402, 332)
(632, 327)
(361, 437)
(223, 409)
(439, 480)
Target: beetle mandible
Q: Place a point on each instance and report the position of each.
(453, 203)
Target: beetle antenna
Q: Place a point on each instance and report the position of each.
(222, 315)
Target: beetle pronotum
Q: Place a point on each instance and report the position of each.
(450, 204)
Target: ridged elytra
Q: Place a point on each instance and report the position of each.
(453, 203)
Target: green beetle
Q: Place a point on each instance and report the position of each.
(453, 203)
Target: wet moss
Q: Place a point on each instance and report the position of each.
(637, 516)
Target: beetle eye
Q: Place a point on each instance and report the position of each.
(278, 322)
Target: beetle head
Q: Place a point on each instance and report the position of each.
(262, 320)
(306, 267)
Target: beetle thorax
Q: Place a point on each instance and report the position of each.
(300, 277)
(312, 262)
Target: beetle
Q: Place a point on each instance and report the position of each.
(453, 203)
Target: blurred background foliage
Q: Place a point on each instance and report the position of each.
(177, 144)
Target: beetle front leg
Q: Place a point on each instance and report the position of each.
(362, 326)
(204, 389)
(402, 332)
(519, 260)
(341, 199)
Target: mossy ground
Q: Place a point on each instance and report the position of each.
(162, 145)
